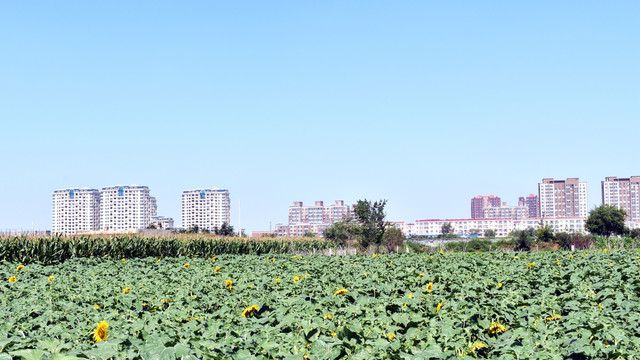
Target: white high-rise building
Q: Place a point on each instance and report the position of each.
(206, 208)
(563, 198)
(75, 211)
(125, 208)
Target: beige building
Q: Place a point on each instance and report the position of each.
(125, 208)
(623, 193)
(562, 198)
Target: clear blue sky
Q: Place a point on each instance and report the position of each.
(423, 103)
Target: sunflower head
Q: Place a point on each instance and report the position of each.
(13, 279)
(391, 336)
(186, 265)
(20, 267)
(430, 287)
(296, 278)
(229, 283)
(100, 332)
(439, 307)
(497, 328)
(126, 290)
(342, 291)
(246, 312)
(217, 269)
(51, 278)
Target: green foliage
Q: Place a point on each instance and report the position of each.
(580, 305)
(393, 238)
(225, 230)
(309, 234)
(372, 224)
(446, 229)
(489, 233)
(564, 240)
(544, 233)
(56, 249)
(606, 220)
(523, 240)
(343, 233)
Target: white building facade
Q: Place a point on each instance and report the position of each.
(75, 211)
(206, 208)
(162, 222)
(568, 225)
(125, 208)
(314, 218)
(623, 193)
(433, 227)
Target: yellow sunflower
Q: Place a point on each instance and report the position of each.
(13, 279)
(430, 287)
(391, 336)
(496, 328)
(246, 312)
(229, 283)
(51, 278)
(100, 332)
(217, 269)
(126, 290)
(342, 291)
(186, 265)
(20, 267)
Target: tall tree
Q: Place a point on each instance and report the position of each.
(224, 230)
(446, 229)
(606, 220)
(342, 232)
(371, 218)
(544, 233)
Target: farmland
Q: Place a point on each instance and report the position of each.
(410, 306)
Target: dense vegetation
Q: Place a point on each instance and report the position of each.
(55, 249)
(531, 305)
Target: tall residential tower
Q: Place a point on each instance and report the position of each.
(75, 211)
(562, 198)
(623, 193)
(206, 208)
(126, 208)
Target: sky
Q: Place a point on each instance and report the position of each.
(423, 103)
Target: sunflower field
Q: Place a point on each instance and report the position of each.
(556, 305)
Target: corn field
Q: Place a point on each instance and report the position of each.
(56, 249)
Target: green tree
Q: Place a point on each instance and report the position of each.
(489, 233)
(343, 232)
(309, 234)
(224, 230)
(523, 240)
(564, 240)
(474, 232)
(372, 225)
(544, 233)
(393, 238)
(446, 229)
(606, 220)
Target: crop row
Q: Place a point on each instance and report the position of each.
(56, 249)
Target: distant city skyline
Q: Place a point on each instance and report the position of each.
(425, 104)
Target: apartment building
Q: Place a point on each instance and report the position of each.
(480, 202)
(206, 208)
(568, 225)
(75, 211)
(623, 193)
(433, 227)
(504, 211)
(162, 222)
(125, 208)
(562, 198)
(314, 218)
(532, 203)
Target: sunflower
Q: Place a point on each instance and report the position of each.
(246, 312)
(51, 278)
(530, 265)
(217, 269)
(391, 336)
(97, 307)
(477, 346)
(13, 279)
(420, 275)
(20, 267)
(100, 332)
(439, 307)
(328, 317)
(213, 258)
(126, 290)
(430, 287)
(410, 296)
(186, 265)
(342, 291)
(296, 278)
(229, 283)
(554, 318)
(496, 328)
